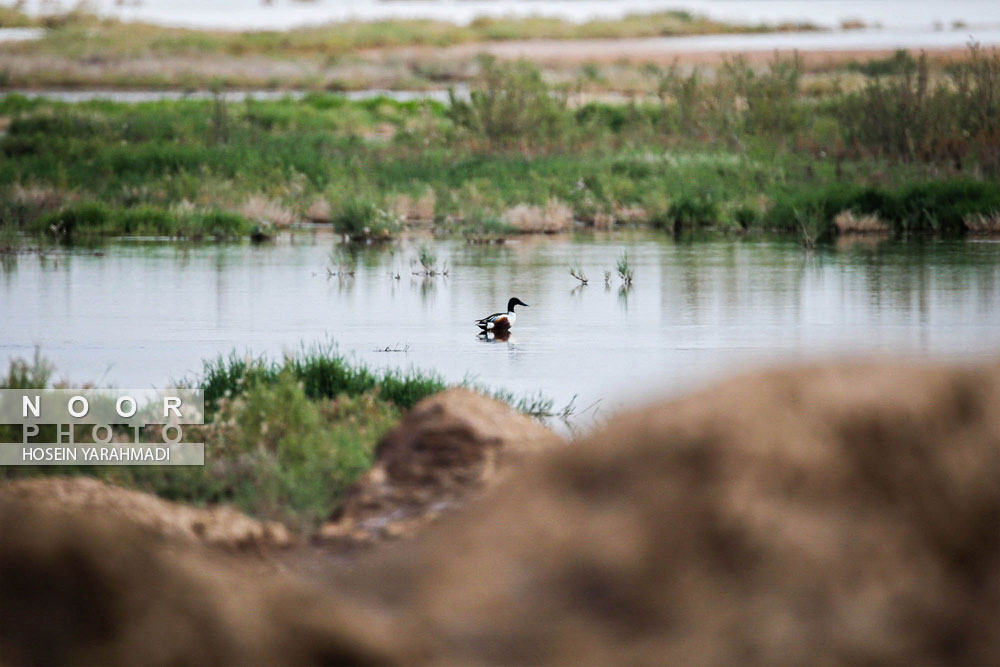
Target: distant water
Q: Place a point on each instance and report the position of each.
(141, 314)
(838, 40)
(281, 14)
(20, 34)
(138, 96)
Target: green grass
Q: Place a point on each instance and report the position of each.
(360, 218)
(936, 206)
(743, 151)
(96, 219)
(284, 439)
(323, 374)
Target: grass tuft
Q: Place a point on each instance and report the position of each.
(624, 268)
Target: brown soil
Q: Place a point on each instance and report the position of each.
(217, 526)
(446, 449)
(844, 513)
(86, 588)
(837, 514)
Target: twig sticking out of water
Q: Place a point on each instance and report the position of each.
(341, 272)
(578, 274)
(393, 348)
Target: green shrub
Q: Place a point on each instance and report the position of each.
(84, 218)
(25, 374)
(65, 124)
(284, 440)
(940, 206)
(746, 217)
(221, 224)
(687, 211)
(93, 218)
(480, 225)
(362, 219)
(905, 113)
(35, 373)
(773, 105)
(693, 210)
(899, 62)
(511, 106)
(286, 456)
(146, 220)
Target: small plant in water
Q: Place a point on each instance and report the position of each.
(427, 258)
(607, 278)
(811, 226)
(8, 239)
(578, 273)
(625, 271)
(428, 264)
(342, 263)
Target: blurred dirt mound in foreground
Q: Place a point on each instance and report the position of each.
(840, 514)
(217, 526)
(846, 513)
(87, 588)
(447, 448)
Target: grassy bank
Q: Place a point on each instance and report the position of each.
(284, 439)
(747, 149)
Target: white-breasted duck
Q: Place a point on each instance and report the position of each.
(501, 321)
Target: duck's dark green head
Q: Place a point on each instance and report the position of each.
(515, 302)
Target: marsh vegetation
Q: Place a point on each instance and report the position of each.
(748, 149)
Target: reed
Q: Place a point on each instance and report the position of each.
(625, 270)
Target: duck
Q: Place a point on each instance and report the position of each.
(501, 321)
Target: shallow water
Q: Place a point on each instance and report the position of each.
(279, 14)
(141, 314)
(20, 34)
(140, 96)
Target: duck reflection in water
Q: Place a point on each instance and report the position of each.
(497, 336)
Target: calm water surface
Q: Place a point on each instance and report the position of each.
(279, 14)
(142, 314)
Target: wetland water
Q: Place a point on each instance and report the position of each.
(281, 14)
(141, 314)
